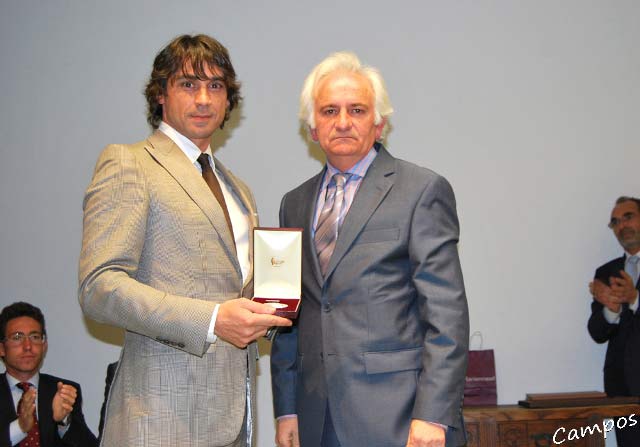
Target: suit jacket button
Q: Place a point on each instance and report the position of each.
(326, 307)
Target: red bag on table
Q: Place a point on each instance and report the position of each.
(480, 387)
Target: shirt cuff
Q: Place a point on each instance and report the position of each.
(442, 426)
(611, 316)
(15, 433)
(634, 307)
(211, 336)
(63, 429)
(286, 416)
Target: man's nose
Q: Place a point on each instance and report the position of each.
(344, 120)
(623, 223)
(203, 96)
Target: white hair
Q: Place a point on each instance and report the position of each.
(344, 61)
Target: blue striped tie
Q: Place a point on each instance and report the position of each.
(631, 267)
(329, 220)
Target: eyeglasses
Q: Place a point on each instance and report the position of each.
(626, 217)
(17, 338)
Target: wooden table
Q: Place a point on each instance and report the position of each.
(514, 426)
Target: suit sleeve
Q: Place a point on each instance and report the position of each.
(7, 413)
(599, 328)
(283, 359)
(116, 208)
(437, 277)
(5, 423)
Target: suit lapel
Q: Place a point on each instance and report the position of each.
(46, 391)
(308, 214)
(242, 193)
(169, 155)
(7, 406)
(374, 187)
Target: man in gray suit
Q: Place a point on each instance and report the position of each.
(166, 255)
(378, 354)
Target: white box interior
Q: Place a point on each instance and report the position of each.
(277, 263)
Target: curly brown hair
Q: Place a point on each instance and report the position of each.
(199, 52)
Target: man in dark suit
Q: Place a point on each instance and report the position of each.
(614, 311)
(58, 419)
(379, 352)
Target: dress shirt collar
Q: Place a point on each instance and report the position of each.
(357, 172)
(186, 145)
(359, 169)
(13, 382)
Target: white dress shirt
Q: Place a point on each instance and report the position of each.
(237, 212)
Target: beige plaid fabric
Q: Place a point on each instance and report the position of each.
(157, 255)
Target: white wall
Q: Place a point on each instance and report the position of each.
(529, 108)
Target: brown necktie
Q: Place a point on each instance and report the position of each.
(214, 185)
(33, 437)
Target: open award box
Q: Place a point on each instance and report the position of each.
(277, 269)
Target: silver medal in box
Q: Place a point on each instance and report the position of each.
(277, 268)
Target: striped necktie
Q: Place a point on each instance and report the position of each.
(329, 220)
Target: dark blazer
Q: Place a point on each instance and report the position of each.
(78, 434)
(111, 372)
(622, 361)
(384, 338)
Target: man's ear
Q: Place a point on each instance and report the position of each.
(380, 128)
(314, 134)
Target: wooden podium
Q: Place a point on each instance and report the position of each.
(514, 426)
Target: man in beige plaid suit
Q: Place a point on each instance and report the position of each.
(166, 255)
